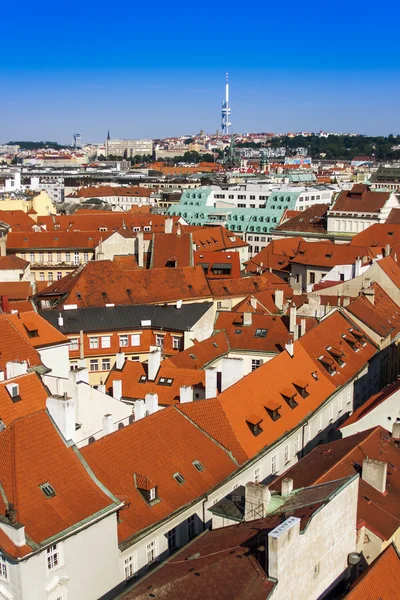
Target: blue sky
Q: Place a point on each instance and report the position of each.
(158, 69)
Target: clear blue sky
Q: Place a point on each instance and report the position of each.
(152, 69)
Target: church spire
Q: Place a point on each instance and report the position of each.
(108, 135)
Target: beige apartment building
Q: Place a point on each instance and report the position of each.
(128, 148)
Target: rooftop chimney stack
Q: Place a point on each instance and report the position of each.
(357, 267)
(119, 360)
(231, 371)
(286, 487)
(60, 320)
(302, 327)
(140, 249)
(154, 362)
(396, 431)
(387, 250)
(151, 403)
(108, 424)
(279, 299)
(374, 472)
(257, 497)
(247, 319)
(117, 389)
(211, 383)
(186, 394)
(289, 347)
(62, 411)
(292, 319)
(168, 225)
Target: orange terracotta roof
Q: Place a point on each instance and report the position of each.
(168, 248)
(244, 286)
(33, 453)
(126, 262)
(176, 378)
(32, 393)
(275, 256)
(381, 581)
(372, 403)
(311, 220)
(212, 258)
(157, 447)
(14, 346)
(55, 239)
(17, 219)
(109, 220)
(16, 290)
(360, 199)
(383, 317)
(325, 254)
(378, 235)
(380, 512)
(201, 353)
(214, 238)
(265, 301)
(12, 262)
(391, 268)
(36, 330)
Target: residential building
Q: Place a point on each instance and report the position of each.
(119, 197)
(128, 148)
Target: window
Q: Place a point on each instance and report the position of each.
(257, 475)
(219, 305)
(106, 341)
(179, 478)
(3, 568)
(93, 343)
(94, 365)
(172, 540)
(50, 257)
(59, 275)
(255, 363)
(151, 552)
(135, 339)
(198, 465)
(274, 464)
(123, 340)
(59, 257)
(53, 557)
(74, 344)
(41, 257)
(76, 258)
(176, 342)
(47, 489)
(85, 257)
(129, 564)
(159, 340)
(32, 257)
(312, 277)
(152, 494)
(50, 276)
(260, 333)
(67, 257)
(191, 529)
(105, 364)
(41, 276)
(296, 446)
(286, 454)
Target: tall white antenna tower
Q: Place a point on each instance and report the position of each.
(226, 111)
(77, 140)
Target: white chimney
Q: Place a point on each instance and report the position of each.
(186, 394)
(179, 304)
(289, 347)
(154, 362)
(119, 360)
(108, 424)
(279, 299)
(302, 327)
(140, 410)
(247, 319)
(387, 250)
(62, 411)
(168, 225)
(140, 248)
(117, 389)
(151, 403)
(2, 375)
(279, 541)
(101, 388)
(211, 383)
(257, 497)
(60, 320)
(253, 302)
(286, 487)
(374, 473)
(396, 431)
(357, 267)
(292, 318)
(15, 368)
(231, 371)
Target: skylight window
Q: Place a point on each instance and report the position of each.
(215, 345)
(238, 331)
(260, 333)
(47, 489)
(143, 379)
(197, 465)
(179, 478)
(192, 356)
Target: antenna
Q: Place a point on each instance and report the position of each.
(77, 140)
(226, 111)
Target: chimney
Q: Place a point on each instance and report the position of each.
(374, 473)
(15, 368)
(154, 362)
(292, 319)
(279, 541)
(395, 431)
(231, 371)
(186, 394)
(257, 497)
(253, 302)
(5, 305)
(151, 403)
(140, 248)
(289, 347)
(139, 410)
(117, 389)
(60, 320)
(119, 360)
(302, 327)
(101, 388)
(286, 487)
(62, 411)
(387, 250)
(2, 375)
(179, 304)
(211, 383)
(168, 225)
(369, 293)
(247, 319)
(108, 424)
(279, 299)
(81, 346)
(357, 267)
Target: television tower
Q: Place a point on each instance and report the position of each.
(77, 140)
(226, 111)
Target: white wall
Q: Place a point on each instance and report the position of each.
(377, 416)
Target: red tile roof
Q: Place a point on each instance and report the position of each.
(244, 286)
(342, 458)
(12, 262)
(378, 235)
(157, 447)
(44, 334)
(17, 219)
(372, 403)
(311, 220)
(391, 268)
(326, 254)
(360, 199)
(169, 394)
(214, 238)
(16, 290)
(381, 581)
(275, 256)
(201, 353)
(212, 258)
(382, 317)
(170, 248)
(33, 453)
(14, 345)
(103, 191)
(71, 240)
(112, 221)
(33, 396)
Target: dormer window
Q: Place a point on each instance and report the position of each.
(198, 465)
(350, 341)
(328, 364)
(47, 489)
(13, 390)
(179, 478)
(302, 388)
(273, 409)
(152, 493)
(142, 379)
(289, 397)
(254, 424)
(338, 355)
(359, 335)
(262, 333)
(147, 489)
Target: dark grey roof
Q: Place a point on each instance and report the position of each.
(386, 175)
(232, 506)
(115, 318)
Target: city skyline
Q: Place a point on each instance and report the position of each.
(99, 71)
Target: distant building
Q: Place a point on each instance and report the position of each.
(128, 148)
